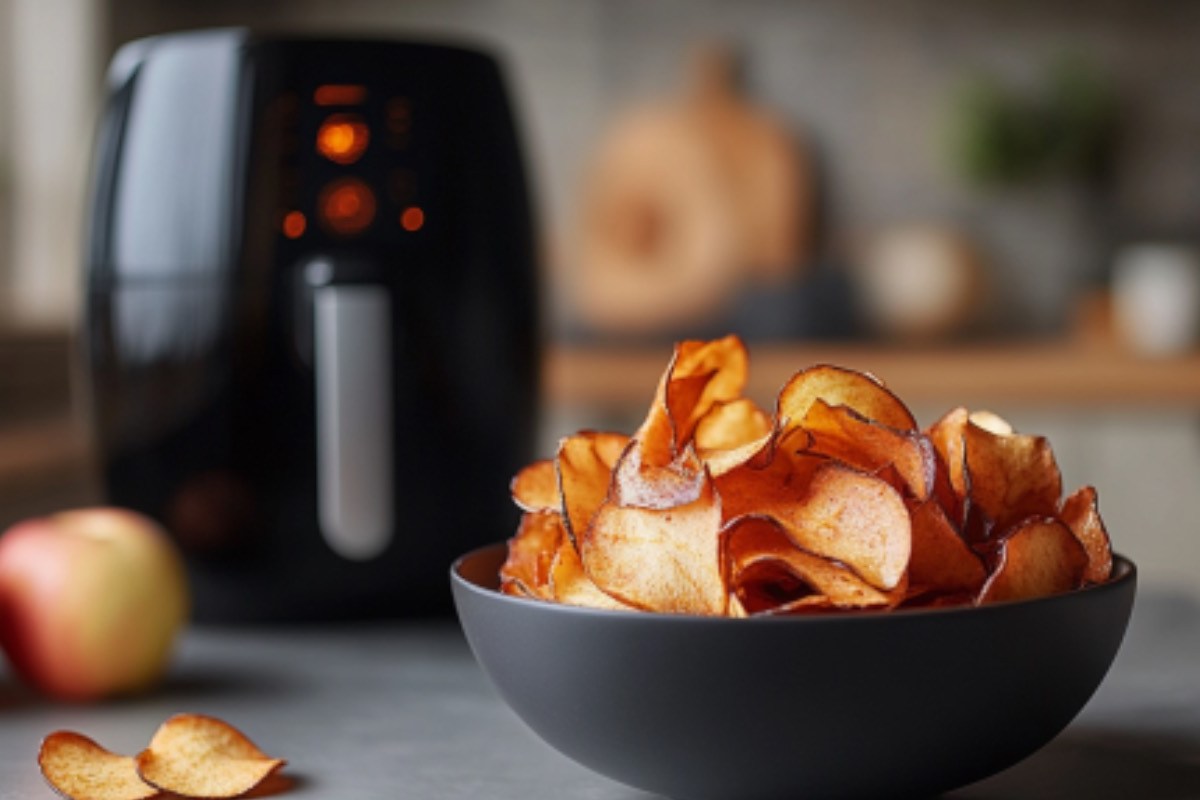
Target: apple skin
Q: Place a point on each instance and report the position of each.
(90, 602)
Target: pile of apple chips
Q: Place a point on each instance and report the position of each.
(836, 502)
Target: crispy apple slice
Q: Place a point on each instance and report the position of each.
(639, 485)
(851, 517)
(585, 465)
(204, 757)
(768, 585)
(1081, 513)
(570, 585)
(765, 564)
(951, 482)
(730, 425)
(992, 422)
(530, 554)
(780, 471)
(727, 364)
(607, 445)
(837, 386)
(660, 559)
(1040, 557)
(721, 462)
(843, 434)
(535, 487)
(1012, 476)
(941, 560)
(78, 768)
(700, 375)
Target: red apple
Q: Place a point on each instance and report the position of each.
(90, 601)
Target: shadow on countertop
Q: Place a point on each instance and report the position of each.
(1100, 764)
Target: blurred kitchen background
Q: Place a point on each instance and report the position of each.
(989, 203)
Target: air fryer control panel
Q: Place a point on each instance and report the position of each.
(351, 164)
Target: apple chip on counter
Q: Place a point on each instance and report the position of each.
(191, 755)
(80, 769)
(198, 756)
(836, 502)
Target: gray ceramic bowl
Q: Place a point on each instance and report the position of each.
(910, 703)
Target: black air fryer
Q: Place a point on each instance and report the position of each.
(310, 323)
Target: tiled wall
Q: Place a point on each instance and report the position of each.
(868, 81)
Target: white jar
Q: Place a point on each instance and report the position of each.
(1156, 297)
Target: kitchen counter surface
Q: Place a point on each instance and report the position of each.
(402, 711)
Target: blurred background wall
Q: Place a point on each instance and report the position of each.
(49, 69)
(877, 89)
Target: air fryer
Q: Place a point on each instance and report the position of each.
(310, 324)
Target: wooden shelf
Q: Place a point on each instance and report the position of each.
(992, 375)
(622, 380)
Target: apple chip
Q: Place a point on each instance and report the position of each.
(842, 433)
(731, 433)
(535, 488)
(757, 453)
(838, 386)
(941, 560)
(526, 571)
(199, 756)
(951, 483)
(1039, 557)
(78, 768)
(768, 570)
(700, 375)
(991, 422)
(1012, 476)
(659, 559)
(731, 425)
(1081, 513)
(726, 364)
(721, 462)
(781, 470)
(768, 587)
(676, 484)
(585, 464)
(607, 445)
(857, 519)
(517, 589)
(569, 584)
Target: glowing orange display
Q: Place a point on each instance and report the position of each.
(294, 224)
(340, 94)
(343, 138)
(412, 218)
(347, 206)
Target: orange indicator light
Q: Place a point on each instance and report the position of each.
(340, 94)
(294, 224)
(343, 138)
(347, 206)
(412, 219)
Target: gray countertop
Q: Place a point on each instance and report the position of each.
(402, 711)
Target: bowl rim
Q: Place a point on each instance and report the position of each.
(1124, 572)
